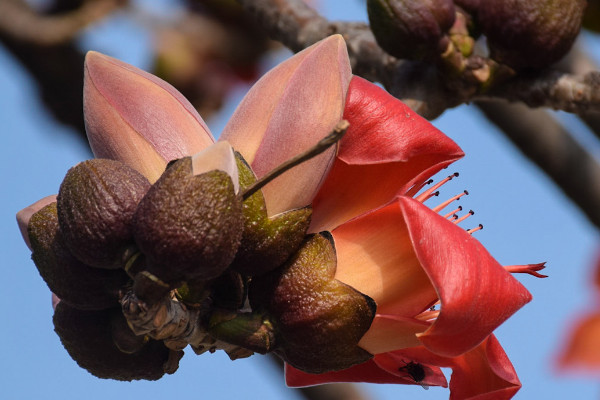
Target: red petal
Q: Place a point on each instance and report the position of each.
(484, 373)
(387, 149)
(376, 256)
(365, 372)
(397, 365)
(475, 291)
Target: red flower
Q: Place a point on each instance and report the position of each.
(409, 258)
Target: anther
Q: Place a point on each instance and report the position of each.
(428, 193)
(415, 189)
(450, 200)
(470, 231)
(467, 215)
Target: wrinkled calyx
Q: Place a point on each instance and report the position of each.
(530, 33)
(160, 266)
(413, 29)
(304, 300)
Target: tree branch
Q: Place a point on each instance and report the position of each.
(423, 86)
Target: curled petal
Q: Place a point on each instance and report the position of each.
(288, 111)
(136, 118)
(396, 365)
(476, 293)
(483, 373)
(25, 214)
(366, 372)
(583, 348)
(387, 149)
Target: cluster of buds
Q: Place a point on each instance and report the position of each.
(180, 257)
(521, 34)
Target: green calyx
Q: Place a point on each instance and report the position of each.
(80, 285)
(96, 203)
(318, 320)
(267, 242)
(189, 226)
(251, 331)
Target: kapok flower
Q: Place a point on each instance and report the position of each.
(389, 256)
(408, 258)
(582, 350)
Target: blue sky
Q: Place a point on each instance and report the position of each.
(527, 219)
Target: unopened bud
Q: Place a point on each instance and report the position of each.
(530, 33)
(96, 203)
(80, 285)
(412, 29)
(189, 226)
(318, 320)
(87, 337)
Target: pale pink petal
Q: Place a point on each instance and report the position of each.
(136, 118)
(288, 111)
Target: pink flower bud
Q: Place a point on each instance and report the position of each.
(287, 111)
(136, 118)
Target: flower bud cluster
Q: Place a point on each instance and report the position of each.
(521, 34)
(143, 270)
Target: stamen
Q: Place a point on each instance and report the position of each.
(527, 269)
(470, 231)
(453, 213)
(415, 189)
(467, 215)
(428, 193)
(428, 315)
(450, 200)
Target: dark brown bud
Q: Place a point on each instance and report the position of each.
(87, 337)
(267, 242)
(189, 226)
(96, 204)
(71, 280)
(530, 33)
(412, 29)
(318, 321)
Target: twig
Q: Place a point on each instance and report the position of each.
(420, 85)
